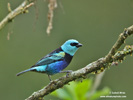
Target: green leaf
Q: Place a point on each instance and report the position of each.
(79, 90)
(74, 91)
(61, 93)
(82, 88)
(71, 90)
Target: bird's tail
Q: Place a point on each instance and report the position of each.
(31, 69)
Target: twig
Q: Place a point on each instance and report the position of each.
(13, 13)
(52, 5)
(120, 55)
(119, 42)
(100, 64)
(9, 7)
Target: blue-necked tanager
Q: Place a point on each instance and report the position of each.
(57, 60)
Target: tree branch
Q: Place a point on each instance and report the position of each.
(19, 10)
(95, 66)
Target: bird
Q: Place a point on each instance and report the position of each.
(57, 60)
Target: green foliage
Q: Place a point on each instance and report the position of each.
(80, 91)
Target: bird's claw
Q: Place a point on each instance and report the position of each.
(53, 82)
(68, 72)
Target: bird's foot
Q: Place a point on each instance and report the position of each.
(53, 82)
(67, 75)
(67, 71)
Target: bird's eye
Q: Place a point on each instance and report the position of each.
(74, 44)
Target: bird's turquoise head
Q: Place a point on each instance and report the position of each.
(71, 46)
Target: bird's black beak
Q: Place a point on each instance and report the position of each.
(79, 45)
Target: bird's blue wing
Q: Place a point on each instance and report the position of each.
(50, 58)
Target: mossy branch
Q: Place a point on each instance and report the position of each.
(22, 8)
(101, 64)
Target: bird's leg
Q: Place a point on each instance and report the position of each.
(66, 71)
(49, 78)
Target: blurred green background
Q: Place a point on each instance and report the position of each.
(94, 23)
